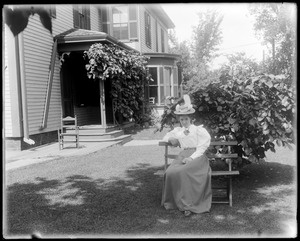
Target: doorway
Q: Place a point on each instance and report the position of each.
(80, 94)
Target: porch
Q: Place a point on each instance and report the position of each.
(100, 133)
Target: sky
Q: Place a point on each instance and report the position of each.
(237, 27)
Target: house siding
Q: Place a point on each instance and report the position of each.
(37, 60)
(63, 20)
(7, 96)
(95, 19)
(156, 26)
(165, 32)
(144, 47)
(37, 44)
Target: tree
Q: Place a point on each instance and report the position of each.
(241, 65)
(275, 23)
(17, 18)
(206, 37)
(183, 49)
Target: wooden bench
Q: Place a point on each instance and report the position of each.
(228, 156)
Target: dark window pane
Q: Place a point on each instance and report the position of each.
(104, 12)
(153, 93)
(153, 72)
(106, 28)
(162, 41)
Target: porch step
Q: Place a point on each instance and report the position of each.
(98, 128)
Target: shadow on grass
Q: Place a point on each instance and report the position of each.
(82, 206)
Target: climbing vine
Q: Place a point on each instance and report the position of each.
(127, 72)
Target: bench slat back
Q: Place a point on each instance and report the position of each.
(213, 144)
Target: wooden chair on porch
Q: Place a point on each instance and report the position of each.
(68, 132)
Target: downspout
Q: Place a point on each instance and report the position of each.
(140, 42)
(21, 69)
(140, 27)
(49, 88)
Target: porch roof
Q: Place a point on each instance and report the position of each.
(76, 39)
(163, 55)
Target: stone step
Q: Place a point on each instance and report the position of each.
(98, 128)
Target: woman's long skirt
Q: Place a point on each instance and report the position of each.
(187, 187)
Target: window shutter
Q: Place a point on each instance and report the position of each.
(161, 85)
(162, 41)
(75, 16)
(161, 75)
(87, 18)
(175, 76)
(148, 29)
(175, 82)
(105, 19)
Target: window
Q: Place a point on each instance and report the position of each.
(81, 16)
(120, 21)
(165, 88)
(175, 82)
(164, 83)
(148, 29)
(153, 85)
(162, 41)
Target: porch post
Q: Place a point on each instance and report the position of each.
(102, 103)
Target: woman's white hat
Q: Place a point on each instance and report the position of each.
(186, 108)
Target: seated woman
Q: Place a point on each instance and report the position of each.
(187, 185)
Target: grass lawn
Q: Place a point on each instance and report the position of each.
(114, 193)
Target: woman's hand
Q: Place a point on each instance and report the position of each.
(174, 141)
(187, 159)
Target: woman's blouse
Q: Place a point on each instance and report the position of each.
(198, 137)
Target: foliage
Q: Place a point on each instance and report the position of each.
(183, 49)
(257, 111)
(276, 24)
(242, 65)
(18, 17)
(206, 35)
(127, 72)
(195, 55)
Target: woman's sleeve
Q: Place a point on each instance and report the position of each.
(170, 134)
(203, 142)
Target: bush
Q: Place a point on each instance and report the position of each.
(257, 112)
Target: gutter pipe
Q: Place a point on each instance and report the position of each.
(49, 88)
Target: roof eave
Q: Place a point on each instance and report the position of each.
(103, 37)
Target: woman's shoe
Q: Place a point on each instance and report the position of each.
(187, 213)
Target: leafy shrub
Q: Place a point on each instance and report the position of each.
(257, 112)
